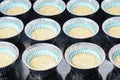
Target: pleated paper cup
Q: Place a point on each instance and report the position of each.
(113, 53)
(107, 4)
(56, 3)
(42, 49)
(13, 23)
(93, 5)
(59, 16)
(6, 5)
(24, 14)
(10, 49)
(42, 23)
(109, 24)
(80, 22)
(84, 48)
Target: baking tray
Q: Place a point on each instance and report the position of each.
(63, 67)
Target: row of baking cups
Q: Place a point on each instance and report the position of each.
(47, 30)
(56, 9)
(50, 50)
(54, 54)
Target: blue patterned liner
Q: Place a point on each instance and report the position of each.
(83, 22)
(9, 48)
(84, 48)
(114, 51)
(44, 23)
(12, 22)
(41, 3)
(113, 21)
(7, 4)
(94, 5)
(41, 49)
(109, 3)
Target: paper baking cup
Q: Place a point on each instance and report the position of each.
(43, 23)
(41, 49)
(109, 3)
(114, 21)
(7, 4)
(41, 3)
(11, 22)
(85, 48)
(114, 51)
(9, 48)
(84, 22)
(93, 4)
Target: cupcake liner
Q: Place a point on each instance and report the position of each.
(85, 47)
(75, 22)
(8, 48)
(11, 22)
(7, 4)
(74, 3)
(109, 3)
(39, 50)
(114, 21)
(41, 3)
(44, 23)
(114, 51)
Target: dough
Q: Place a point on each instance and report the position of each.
(49, 10)
(84, 60)
(82, 10)
(15, 11)
(43, 34)
(7, 32)
(80, 32)
(114, 10)
(5, 59)
(114, 31)
(117, 60)
(42, 62)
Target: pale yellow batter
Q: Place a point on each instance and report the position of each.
(114, 10)
(49, 10)
(5, 59)
(117, 60)
(7, 32)
(82, 10)
(114, 31)
(84, 60)
(42, 62)
(80, 32)
(43, 34)
(15, 11)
